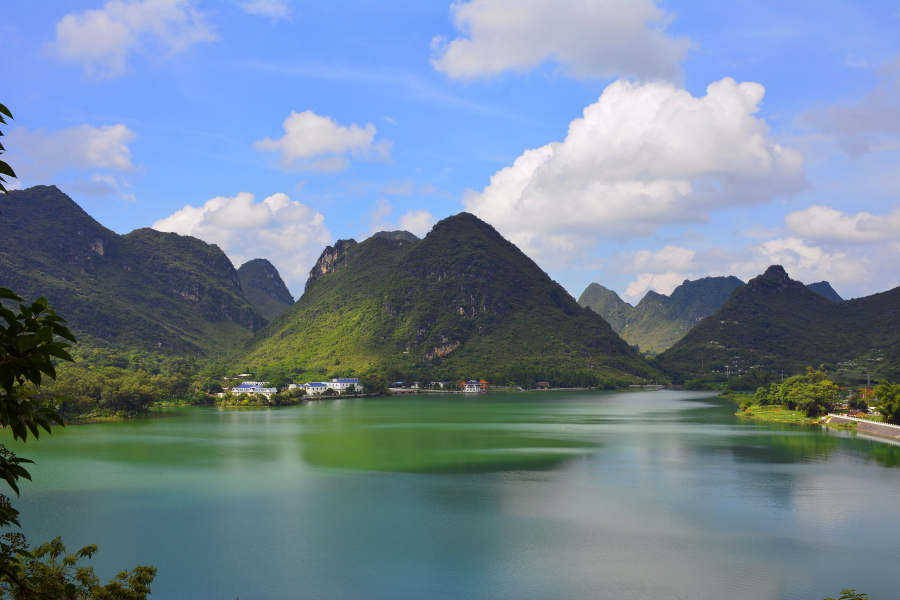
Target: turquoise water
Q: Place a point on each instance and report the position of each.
(541, 495)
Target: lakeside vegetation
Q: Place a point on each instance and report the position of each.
(804, 399)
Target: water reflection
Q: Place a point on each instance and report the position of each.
(438, 436)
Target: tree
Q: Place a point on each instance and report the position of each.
(30, 339)
(5, 169)
(848, 594)
(888, 396)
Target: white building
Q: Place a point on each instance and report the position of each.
(340, 385)
(314, 388)
(252, 388)
(473, 386)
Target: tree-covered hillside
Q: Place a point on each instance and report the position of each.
(146, 289)
(776, 323)
(462, 302)
(264, 288)
(658, 321)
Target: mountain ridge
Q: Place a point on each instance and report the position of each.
(264, 288)
(658, 321)
(461, 301)
(145, 289)
(775, 322)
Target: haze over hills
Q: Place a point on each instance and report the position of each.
(776, 323)
(146, 289)
(264, 288)
(658, 321)
(461, 302)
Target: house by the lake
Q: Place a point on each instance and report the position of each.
(473, 386)
(252, 388)
(339, 386)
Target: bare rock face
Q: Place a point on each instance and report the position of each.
(329, 261)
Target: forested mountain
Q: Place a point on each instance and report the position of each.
(146, 289)
(264, 288)
(401, 235)
(658, 321)
(776, 323)
(823, 288)
(462, 302)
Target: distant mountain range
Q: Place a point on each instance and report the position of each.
(462, 302)
(775, 323)
(658, 321)
(264, 288)
(146, 289)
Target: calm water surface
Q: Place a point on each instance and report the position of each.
(541, 495)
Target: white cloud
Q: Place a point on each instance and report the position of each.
(418, 222)
(102, 40)
(643, 156)
(274, 9)
(288, 233)
(822, 223)
(586, 38)
(41, 156)
(662, 283)
(315, 143)
(864, 127)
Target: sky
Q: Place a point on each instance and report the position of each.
(631, 143)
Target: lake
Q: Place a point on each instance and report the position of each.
(618, 495)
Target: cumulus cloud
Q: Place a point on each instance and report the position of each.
(40, 156)
(102, 40)
(826, 224)
(274, 9)
(288, 233)
(663, 270)
(586, 38)
(315, 143)
(861, 128)
(418, 222)
(642, 156)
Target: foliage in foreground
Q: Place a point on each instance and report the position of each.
(848, 594)
(29, 339)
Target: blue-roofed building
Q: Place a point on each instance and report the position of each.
(252, 388)
(314, 388)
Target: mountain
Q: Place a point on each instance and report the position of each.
(658, 321)
(776, 323)
(462, 302)
(264, 288)
(404, 236)
(823, 288)
(146, 289)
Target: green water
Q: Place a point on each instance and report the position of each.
(540, 495)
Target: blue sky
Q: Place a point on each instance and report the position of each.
(635, 144)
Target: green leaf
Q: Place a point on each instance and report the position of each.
(5, 169)
(8, 294)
